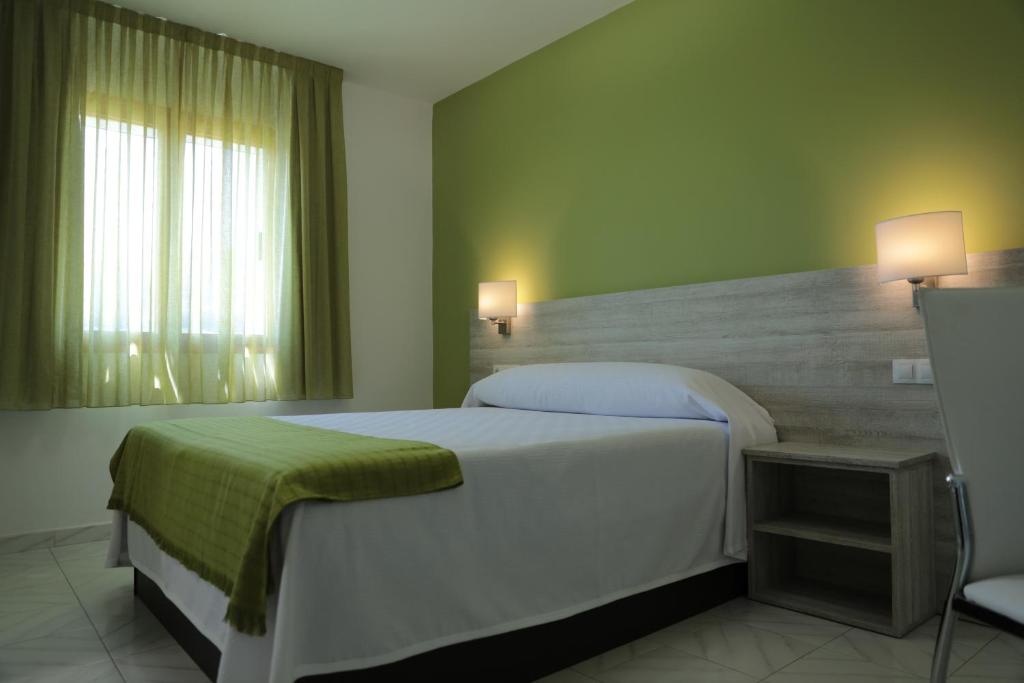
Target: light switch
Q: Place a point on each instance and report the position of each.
(923, 371)
(903, 371)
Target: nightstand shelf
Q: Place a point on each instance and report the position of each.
(843, 533)
(821, 599)
(828, 529)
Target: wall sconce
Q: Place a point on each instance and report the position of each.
(497, 303)
(919, 246)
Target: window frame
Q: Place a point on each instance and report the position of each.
(264, 138)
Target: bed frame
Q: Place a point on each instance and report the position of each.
(814, 348)
(513, 657)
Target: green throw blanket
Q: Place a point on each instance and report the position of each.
(209, 490)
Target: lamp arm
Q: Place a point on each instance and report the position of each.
(504, 325)
(916, 284)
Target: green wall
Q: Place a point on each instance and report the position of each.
(679, 141)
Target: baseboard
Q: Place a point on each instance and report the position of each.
(36, 540)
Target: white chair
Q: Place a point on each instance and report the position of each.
(976, 344)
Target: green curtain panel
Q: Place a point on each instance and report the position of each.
(37, 137)
(174, 215)
(319, 200)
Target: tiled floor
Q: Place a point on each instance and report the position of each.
(63, 617)
(743, 641)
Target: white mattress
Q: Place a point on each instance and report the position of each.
(559, 513)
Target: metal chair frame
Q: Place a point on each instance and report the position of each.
(956, 603)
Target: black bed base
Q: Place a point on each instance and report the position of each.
(522, 655)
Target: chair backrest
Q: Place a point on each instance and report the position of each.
(976, 343)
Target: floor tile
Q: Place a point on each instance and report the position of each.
(50, 620)
(82, 559)
(911, 654)
(166, 654)
(139, 644)
(616, 656)
(814, 630)
(140, 675)
(566, 676)
(749, 649)
(28, 570)
(106, 594)
(667, 665)
(1002, 659)
(31, 582)
(142, 634)
(48, 593)
(28, 558)
(968, 637)
(33, 541)
(48, 610)
(145, 652)
(168, 663)
(99, 672)
(85, 534)
(51, 658)
(820, 672)
(33, 579)
(863, 647)
(822, 668)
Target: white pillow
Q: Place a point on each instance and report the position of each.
(624, 389)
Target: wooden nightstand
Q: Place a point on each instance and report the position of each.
(842, 532)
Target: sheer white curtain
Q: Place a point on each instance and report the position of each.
(186, 215)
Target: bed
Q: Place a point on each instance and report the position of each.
(561, 513)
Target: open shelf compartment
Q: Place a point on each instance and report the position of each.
(801, 502)
(848, 583)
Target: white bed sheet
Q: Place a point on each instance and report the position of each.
(559, 513)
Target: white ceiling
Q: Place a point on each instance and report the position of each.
(425, 49)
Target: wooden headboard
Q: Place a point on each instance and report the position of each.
(813, 348)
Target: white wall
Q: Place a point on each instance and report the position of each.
(53, 464)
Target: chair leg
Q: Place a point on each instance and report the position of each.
(964, 553)
(943, 645)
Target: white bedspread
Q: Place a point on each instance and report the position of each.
(559, 513)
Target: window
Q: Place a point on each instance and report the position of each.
(121, 223)
(214, 235)
(222, 227)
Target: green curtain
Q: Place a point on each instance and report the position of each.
(174, 215)
(319, 200)
(40, 156)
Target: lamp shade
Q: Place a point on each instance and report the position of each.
(497, 299)
(921, 245)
